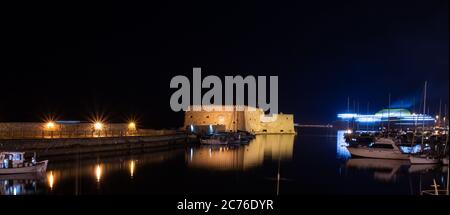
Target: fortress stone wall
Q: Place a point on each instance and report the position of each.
(248, 119)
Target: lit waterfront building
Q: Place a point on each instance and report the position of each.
(396, 117)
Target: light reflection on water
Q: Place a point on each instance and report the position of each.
(273, 147)
(269, 164)
(341, 146)
(387, 170)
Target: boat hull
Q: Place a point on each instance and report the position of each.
(38, 167)
(377, 153)
(213, 142)
(423, 160)
(445, 161)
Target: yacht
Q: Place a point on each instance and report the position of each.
(383, 148)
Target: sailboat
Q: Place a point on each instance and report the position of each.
(424, 158)
(445, 152)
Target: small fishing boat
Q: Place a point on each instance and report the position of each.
(14, 163)
(213, 142)
(238, 138)
(216, 139)
(382, 148)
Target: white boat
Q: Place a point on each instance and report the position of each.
(382, 148)
(423, 159)
(445, 161)
(14, 163)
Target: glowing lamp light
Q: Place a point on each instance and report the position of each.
(437, 116)
(348, 131)
(98, 126)
(50, 125)
(132, 126)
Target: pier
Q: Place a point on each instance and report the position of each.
(312, 126)
(61, 138)
(64, 146)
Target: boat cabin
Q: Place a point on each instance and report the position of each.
(11, 159)
(381, 146)
(384, 143)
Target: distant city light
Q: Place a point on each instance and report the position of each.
(347, 115)
(348, 131)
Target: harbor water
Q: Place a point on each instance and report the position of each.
(315, 161)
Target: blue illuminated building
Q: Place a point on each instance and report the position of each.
(397, 117)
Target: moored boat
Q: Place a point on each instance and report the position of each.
(382, 148)
(445, 161)
(216, 139)
(14, 163)
(213, 142)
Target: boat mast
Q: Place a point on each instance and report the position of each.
(367, 124)
(389, 115)
(439, 116)
(424, 109)
(348, 111)
(357, 112)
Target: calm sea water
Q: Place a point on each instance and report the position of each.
(313, 162)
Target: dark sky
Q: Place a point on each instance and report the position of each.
(73, 59)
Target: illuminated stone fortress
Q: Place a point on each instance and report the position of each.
(231, 118)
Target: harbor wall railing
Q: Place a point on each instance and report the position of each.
(79, 130)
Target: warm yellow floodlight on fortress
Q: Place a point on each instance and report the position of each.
(98, 126)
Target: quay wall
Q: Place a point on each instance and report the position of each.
(66, 146)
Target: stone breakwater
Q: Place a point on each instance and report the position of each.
(66, 146)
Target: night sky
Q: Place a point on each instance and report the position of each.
(71, 59)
